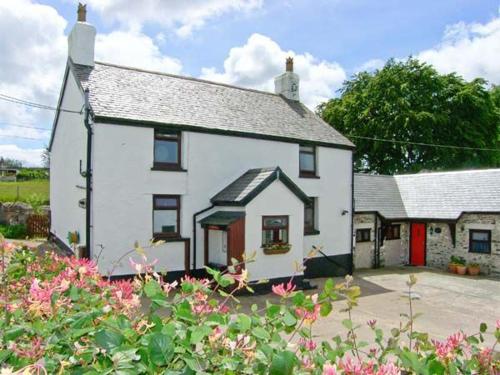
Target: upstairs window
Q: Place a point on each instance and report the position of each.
(274, 230)
(167, 150)
(480, 241)
(310, 217)
(166, 216)
(363, 235)
(307, 161)
(393, 232)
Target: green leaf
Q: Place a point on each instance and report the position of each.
(161, 349)
(436, 368)
(483, 327)
(13, 333)
(289, 319)
(244, 322)
(199, 333)
(283, 363)
(347, 323)
(326, 308)
(261, 333)
(152, 288)
(108, 339)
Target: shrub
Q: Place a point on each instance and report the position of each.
(16, 231)
(26, 174)
(63, 317)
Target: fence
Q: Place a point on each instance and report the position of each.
(38, 225)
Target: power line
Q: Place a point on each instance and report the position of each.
(18, 136)
(27, 103)
(425, 144)
(26, 126)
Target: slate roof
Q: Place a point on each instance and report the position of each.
(129, 94)
(442, 195)
(251, 183)
(222, 218)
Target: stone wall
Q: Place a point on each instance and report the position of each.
(440, 246)
(395, 252)
(12, 213)
(364, 251)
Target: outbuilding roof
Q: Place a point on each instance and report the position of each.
(123, 94)
(246, 187)
(439, 195)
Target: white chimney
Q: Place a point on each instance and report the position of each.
(81, 40)
(287, 84)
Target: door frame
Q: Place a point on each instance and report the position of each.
(410, 242)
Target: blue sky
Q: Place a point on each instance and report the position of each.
(241, 42)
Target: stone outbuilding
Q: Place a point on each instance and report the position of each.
(424, 219)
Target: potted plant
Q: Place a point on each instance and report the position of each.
(473, 269)
(277, 248)
(452, 265)
(461, 267)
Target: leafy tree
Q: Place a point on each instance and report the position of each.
(411, 102)
(45, 157)
(10, 163)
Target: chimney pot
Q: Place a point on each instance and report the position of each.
(82, 12)
(289, 64)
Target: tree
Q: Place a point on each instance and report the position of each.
(10, 163)
(45, 157)
(411, 102)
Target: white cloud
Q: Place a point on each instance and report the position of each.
(133, 48)
(256, 63)
(182, 15)
(29, 157)
(370, 65)
(471, 50)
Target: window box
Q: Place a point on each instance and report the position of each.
(277, 248)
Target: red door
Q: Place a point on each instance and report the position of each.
(417, 244)
(236, 242)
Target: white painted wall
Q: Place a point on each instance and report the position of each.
(124, 184)
(276, 199)
(68, 148)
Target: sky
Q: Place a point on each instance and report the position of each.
(240, 42)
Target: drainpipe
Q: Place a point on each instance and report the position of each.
(351, 265)
(376, 250)
(194, 232)
(88, 120)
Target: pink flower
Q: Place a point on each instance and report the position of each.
(498, 324)
(167, 287)
(371, 323)
(282, 290)
(388, 369)
(143, 267)
(308, 316)
(329, 369)
(307, 344)
(351, 367)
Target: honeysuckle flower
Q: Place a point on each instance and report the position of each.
(167, 287)
(388, 369)
(283, 290)
(329, 369)
(351, 366)
(371, 323)
(498, 324)
(308, 316)
(307, 364)
(307, 344)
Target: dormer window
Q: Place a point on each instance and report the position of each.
(307, 161)
(167, 150)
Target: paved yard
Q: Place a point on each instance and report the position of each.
(448, 302)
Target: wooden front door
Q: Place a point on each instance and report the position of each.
(417, 244)
(236, 241)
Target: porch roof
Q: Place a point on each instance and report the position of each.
(222, 218)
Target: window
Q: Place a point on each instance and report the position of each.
(166, 214)
(274, 230)
(310, 217)
(392, 232)
(307, 161)
(480, 241)
(363, 235)
(167, 150)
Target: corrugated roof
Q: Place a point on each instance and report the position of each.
(124, 93)
(251, 183)
(440, 195)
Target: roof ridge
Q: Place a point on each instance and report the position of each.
(449, 172)
(374, 175)
(185, 77)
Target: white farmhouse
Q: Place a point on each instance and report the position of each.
(214, 170)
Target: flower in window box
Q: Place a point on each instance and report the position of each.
(277, 248)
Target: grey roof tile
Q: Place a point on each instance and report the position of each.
(131, 94)
(440, 195)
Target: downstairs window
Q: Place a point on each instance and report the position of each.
(274, 230)
(166, 216)
(480, 241)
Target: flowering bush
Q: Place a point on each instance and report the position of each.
(60, 316)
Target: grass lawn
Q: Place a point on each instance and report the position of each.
(9, 191)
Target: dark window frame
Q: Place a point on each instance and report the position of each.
(308, 173)
(360, 235)
(389, 229)
(175, 136)
(311, 229)
(471, 240)
(275, 229)
(162, 235)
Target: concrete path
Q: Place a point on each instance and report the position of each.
(447, 303)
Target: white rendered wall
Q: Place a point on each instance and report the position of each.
(276, 199)
(124, 184)
(68, 148)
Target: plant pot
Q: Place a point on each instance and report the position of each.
(452, 267)
(474, 270)
(461, 270)
(276, 249)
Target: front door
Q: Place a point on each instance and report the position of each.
(236, 242)
(417, 244)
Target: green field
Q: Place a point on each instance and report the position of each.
(20, 191)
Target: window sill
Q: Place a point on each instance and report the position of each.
(311, 232)
(168, 169)
(159, 237)
(479, 252)
(301, 175)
